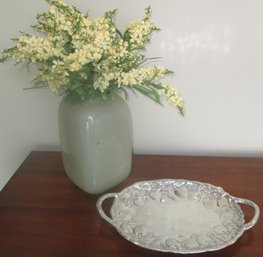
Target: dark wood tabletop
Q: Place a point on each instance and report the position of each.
(42, 214)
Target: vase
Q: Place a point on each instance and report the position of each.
(96, 142)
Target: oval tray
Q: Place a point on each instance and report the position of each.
(178, 216)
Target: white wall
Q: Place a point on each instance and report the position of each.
(215, 49)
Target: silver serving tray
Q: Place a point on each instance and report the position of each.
(178, 216)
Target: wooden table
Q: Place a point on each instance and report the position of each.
(42, 214)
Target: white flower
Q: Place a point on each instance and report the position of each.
(75, 52)
(172, 96)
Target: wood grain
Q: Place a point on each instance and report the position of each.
(42, 214)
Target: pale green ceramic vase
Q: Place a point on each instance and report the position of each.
(96, 142)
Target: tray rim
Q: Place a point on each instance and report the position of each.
(237, 200)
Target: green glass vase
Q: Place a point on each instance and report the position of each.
(96, 142)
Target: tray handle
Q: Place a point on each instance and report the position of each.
(254, 220)
(99, 206)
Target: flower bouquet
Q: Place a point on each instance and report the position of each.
(90, 62)
(89, 58)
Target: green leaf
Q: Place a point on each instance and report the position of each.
(3, 58)
(181, 110)
(69, 47)
(157, 86)
(131, 88)
(119, 33)
(150, 93)
(150, 59)
(110, 14)
(34, 87)
(125, 93)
